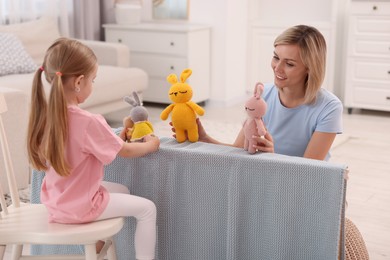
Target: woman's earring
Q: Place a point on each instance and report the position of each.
(77, 89)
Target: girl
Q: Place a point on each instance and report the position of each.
(72, 146)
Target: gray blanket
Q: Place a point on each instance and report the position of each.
(219, 202)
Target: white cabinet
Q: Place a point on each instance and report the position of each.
(368, 56)
(164, 48)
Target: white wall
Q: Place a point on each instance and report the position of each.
(230, 21)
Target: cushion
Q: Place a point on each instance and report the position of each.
(36, 35)
(13, 57)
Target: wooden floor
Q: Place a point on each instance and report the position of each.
(366, 151)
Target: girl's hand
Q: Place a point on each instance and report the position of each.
(150, 144)
(264, 143)
(153, 141)
(127, 122)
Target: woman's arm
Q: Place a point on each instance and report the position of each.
(130, 150)
(204, 137)
(319, 145)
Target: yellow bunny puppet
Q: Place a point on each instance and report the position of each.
(183, 109)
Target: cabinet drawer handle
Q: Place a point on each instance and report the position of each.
(120, 40)
(172, 43)
(388, 98)
(374, 8)
(172, 67)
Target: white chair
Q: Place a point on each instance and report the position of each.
(22, 223)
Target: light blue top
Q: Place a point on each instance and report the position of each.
(292, 128)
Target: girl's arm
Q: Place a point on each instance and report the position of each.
(122, 134)
(319, 145)
(130, 150)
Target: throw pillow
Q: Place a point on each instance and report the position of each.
(35, 35)
(13, 57)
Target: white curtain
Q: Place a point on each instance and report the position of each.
(86, 19)
(17, 11)
(81, 19)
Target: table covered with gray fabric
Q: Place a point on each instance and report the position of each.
(219, 202)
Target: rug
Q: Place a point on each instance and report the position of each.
(24, 195)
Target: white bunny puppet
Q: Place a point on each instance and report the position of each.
(137, 124)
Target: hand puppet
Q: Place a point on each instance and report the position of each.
(255, 108)
(183, 110)
(136, 123)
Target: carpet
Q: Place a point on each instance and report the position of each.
(24, 195)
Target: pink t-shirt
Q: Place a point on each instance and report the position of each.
(80, 198)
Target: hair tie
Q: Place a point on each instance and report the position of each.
(41, 68)
(58, 73)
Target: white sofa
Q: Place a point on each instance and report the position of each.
(115, 79)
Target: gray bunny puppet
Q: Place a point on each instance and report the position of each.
(136, 124)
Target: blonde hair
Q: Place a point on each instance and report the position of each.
(48, 122)
(312, 48)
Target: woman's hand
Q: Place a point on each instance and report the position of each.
(203, 136)
(264, 143)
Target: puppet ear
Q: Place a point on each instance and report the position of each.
(185, 75)
(130, 100)
(137, 99)
(172, 78)
(259, 88)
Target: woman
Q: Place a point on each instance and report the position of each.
(302, 119)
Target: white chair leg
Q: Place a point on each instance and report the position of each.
(111, 253)
(2, 251)
(90, 252)
(17, 251)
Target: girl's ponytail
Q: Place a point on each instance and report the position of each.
(57, 128)
(65, 60)
(37, 123)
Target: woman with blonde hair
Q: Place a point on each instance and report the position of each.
(302, 119)
(72, 146)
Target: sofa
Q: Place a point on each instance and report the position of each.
(23, 47)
